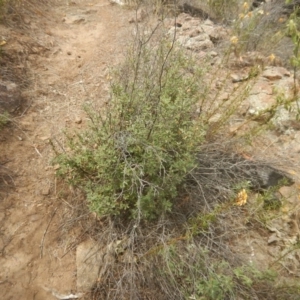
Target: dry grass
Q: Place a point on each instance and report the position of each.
(184, 250)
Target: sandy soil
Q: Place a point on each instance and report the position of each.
(78, 42)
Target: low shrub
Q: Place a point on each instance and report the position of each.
(134, 156)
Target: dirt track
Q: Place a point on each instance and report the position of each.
(78, 44)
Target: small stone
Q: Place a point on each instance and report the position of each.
(56, 167)
(69, 53)
(208, 22)
(215, 118)
(213, 53)
(119, 2)
(273, 238)
(252, 111)
(45, 138)
(26, 20)
(78, 120)
(235, 78)
(45, 191)
(79, 21)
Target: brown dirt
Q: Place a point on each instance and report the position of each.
(69, 49)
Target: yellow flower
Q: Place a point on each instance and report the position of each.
(281, 20)
(241, 198)
(285, 209)
(245, 6)
(234, 40)
(272, 57)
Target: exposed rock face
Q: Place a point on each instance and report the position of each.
(195, 34)
(88, 257)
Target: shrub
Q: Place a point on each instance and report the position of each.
(133, 157)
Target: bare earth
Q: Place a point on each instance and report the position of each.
(77, 44)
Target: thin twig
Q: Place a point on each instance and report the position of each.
(43, 239)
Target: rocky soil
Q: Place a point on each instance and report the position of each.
(66, 51)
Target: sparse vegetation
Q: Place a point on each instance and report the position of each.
(167, 190)
(149, 159)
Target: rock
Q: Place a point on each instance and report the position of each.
(195, 34)
(199, 43)
(45, 138)
(88, 260)
(275, 73)
(215, 118)
(56, 167)
(213, 53)
(290, 193)
(74, 19)
(119, 2)
(45, 191)
(78, 120)
(259, 102)
(216, 33)
(267, 176)
(262, 85)
(235, 78)
(273, 238)
(26, 20)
